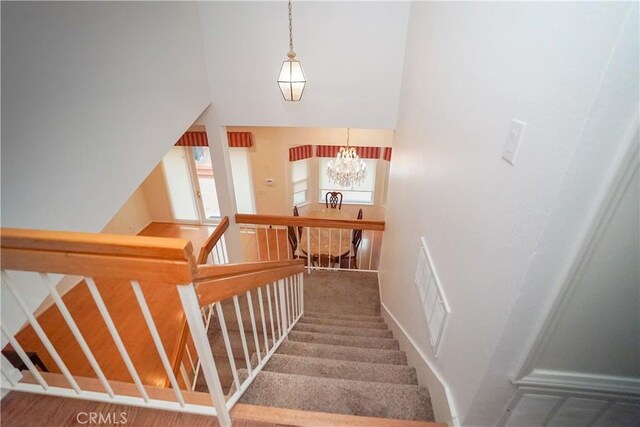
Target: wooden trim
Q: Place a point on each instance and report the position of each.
(214, 290)
(295, 417)
(212, 240)
(358, 224)
(120, 388)
(98, 255)
(207, 272)
(130, 268)
(96, 243)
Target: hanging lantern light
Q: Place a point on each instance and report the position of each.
(347, 169)
(291, 79)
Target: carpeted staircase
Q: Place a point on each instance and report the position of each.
(331, 362)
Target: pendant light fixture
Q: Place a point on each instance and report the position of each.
(347, 169)
(291, 79)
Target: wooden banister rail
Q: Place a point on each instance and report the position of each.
(302, 221)
(216, 289)
(210, 272)
(212, 240)
(166, 260)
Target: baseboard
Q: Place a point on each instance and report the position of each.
(428, 375)
(581, 381)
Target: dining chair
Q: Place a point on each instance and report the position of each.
(352, 259)
(295, 213)
(333, 199)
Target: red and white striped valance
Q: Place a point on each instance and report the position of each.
(240, 139)
(387, 154)
(199, 139)
(300, 152)
(363, 152)
(193, 139)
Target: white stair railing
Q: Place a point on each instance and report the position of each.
(137, 263)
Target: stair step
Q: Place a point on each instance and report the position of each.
(397, 401)
(356, 354)
(343, 330)
(342, 369)
(342, 340)
(344, 317)
(341, 322)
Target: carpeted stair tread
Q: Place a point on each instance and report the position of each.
(344, 317)
(342, 340)
(346, 323)
(342, 369)
(340, 396)
(220, 352)
(343, 330)
(337, 352)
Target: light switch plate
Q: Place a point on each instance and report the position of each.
(516, 129)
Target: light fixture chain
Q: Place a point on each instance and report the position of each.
(290, 28)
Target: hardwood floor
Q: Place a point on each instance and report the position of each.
(163, 302)
(34, 410)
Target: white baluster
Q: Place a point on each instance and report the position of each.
(264, 322)
(253, 326)
(40, 332)
(93, 289)
(191, 307)
(277, 243)
(276, 297)
(283, 306)
(372, 245)
(242, 335)
(266, 233)
(25, 359)
(76, 332)
(273, 331)
(227, 344)
(137, 290)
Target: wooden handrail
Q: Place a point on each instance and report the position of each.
(208, 272)
(303, 221)
(217, 289)
(166, 260)
(212, 240)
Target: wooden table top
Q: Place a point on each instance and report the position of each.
(324, 241)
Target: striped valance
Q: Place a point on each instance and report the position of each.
(300, 152)
(193, 139)
(240, 139)
(199, 139)
(387, 154)
(363, 152)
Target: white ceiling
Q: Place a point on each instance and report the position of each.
(351, 52)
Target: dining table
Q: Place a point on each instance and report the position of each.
(326, 245)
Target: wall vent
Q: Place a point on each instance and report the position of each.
(432, 299)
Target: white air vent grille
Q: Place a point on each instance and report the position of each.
(434, 304)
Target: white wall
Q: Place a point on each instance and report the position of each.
(470, 69)
(598, 331)
(94, 94)
(351, 53)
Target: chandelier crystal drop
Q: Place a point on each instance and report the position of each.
(347, 169)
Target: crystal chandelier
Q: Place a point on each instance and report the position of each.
(347, 169)
(291, 79)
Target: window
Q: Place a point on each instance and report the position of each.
(299, 180)
(357, 194)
